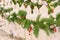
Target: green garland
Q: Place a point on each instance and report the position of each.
(20, 18)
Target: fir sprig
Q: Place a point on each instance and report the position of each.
(44, 23)
(58, 20)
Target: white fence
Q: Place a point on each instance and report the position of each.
(18, 31)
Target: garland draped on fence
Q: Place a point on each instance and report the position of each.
(43, 23)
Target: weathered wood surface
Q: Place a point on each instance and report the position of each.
(6, 36)
(6, 29)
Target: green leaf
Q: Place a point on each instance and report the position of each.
(18, 20)
(49, 10)
(20, 2)
(36, 30)
(14, 1)
(46, 29)
(58, 2)
(58, 19)
(38, 6)
(1, 9)
(27, 2)
(49, 21)
(9, 19)
(41, 25)
(27, 24)
(55, 4)
(58, 22)
(14, 17)
(49, 1)
(51, 30)
(58, 16)
(21, 13)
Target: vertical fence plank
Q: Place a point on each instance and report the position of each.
(28, 9)
(35, 10)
